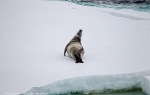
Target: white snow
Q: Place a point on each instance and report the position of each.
(34, 33)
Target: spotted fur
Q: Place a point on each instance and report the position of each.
(74, 48)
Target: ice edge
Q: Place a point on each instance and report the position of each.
(97, 84)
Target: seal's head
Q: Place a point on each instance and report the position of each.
(79, 34)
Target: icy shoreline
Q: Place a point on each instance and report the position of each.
(137, 5)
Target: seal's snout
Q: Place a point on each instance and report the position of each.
(80, 31)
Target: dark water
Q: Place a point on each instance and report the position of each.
(143, 6)
(119, 93)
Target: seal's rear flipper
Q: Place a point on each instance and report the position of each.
(81, 61)
(77, 61)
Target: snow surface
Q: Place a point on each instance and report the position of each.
(34, 33)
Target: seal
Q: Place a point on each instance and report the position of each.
(74, 48)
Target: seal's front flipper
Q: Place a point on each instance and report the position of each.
(65, 49)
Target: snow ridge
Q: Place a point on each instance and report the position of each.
(94, 84)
